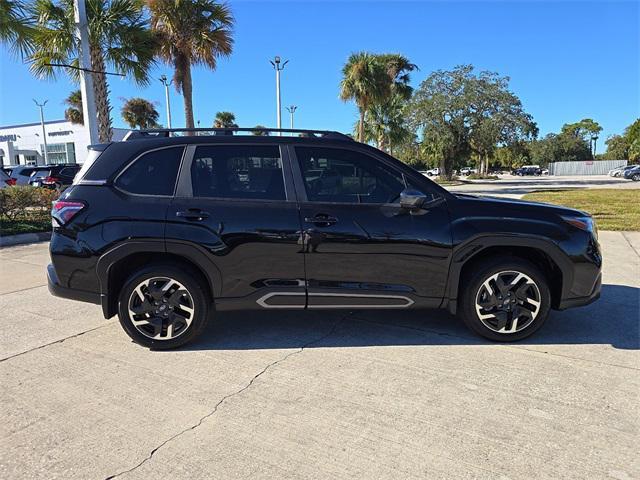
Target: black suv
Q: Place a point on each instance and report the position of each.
(56, 177)
(163, 230)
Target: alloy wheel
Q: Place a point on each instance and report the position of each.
(161, 308)
(508, 302)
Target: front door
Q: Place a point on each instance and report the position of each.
(362, 250)
(234, 203)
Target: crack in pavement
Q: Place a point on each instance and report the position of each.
(39, 347)
(630, 244)
(230, 395)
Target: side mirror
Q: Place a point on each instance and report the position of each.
(412, 199)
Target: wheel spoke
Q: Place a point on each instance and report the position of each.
(144, 307)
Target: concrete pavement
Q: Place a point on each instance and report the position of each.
(319, 394)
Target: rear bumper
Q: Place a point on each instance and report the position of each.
(71, 293)
(582, 301)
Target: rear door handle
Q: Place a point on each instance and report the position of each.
(322, 220)
(193, 214)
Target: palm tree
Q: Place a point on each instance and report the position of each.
(138, 112)
(195, 32)
(225, 120)
(118, 40)
(15, 25)
(364, 81)
(74, 113)
(398, 68)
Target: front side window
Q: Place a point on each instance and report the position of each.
(345, 176)
(251, 172)
(154, 173)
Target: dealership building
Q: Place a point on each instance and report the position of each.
(66, 143)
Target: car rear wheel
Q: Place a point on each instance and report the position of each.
(163, 307)
(505, 300)
(636, 177)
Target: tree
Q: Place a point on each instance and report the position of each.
(74, 113)
(364, 80)
(196, 32)
(139, 113)
(15, 26)
(118, 40)
(385, 124)
(459, 113)
(617, 148)
(225, 120)
(559, 148)
(632, 135)
(259, 132)
(586, 130)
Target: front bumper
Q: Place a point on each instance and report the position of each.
(582, 301)
(71, 293)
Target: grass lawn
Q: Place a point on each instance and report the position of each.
(613, 209)
(35, 223)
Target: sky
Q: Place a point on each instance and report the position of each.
(567, 60)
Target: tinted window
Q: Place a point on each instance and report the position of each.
(152, 174)
(334, 175)
(243, 171)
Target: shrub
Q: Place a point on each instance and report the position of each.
(25, 201)
(479, 176)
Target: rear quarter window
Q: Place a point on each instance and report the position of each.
(154, 173)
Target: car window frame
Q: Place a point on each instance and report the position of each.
(114, 182)
(300, 183)
(184, 188)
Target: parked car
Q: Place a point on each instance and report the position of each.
(633, 173)
(527, 170)
(58, 177)
(434, 172)
(620, 171)
(163, 232)
(22, 173)
(544, 171)
(6, 180)
(466, 171)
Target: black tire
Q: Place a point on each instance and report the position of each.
(636, 177)
(196, 298)
(471, 293)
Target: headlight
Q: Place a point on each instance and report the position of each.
(587, 224)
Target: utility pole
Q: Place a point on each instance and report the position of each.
(44, 133)
(89, 113)
(292, 109)
(166, 83)
(276, 64)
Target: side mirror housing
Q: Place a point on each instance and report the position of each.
(412, 199)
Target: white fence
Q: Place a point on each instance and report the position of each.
(591, 167)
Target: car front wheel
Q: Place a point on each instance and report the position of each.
(505, 300)
(636, 177)
(163, 307)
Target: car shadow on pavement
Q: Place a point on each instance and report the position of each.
(612, 320)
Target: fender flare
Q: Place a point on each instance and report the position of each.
(469, 250)
(190, 252)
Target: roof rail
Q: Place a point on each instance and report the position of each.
(168, 132)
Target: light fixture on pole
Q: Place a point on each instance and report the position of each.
(278, 67)
(167, 83)
(90, 115)
(594, 139)
(292, 109)
(44, 133)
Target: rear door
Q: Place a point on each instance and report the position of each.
(362, 250)
(236, 203)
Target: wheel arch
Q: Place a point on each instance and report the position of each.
(543, 253)
(115, 266)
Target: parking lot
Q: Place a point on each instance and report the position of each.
(319, 394)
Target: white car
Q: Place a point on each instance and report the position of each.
(619, 172)
(434, 172)
(467, 171)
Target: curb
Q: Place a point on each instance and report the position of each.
(24, 238)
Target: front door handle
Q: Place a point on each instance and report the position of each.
(322, 220)
(193, 214)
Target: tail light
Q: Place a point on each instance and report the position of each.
(10, 181)
(63, 211)
(50, 180)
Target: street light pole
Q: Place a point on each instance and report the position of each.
(89, 113)
(292, 109)
(278, 67)
(44, 133)
(166, 84)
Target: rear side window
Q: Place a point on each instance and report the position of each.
(252, 172)
(154, 173)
